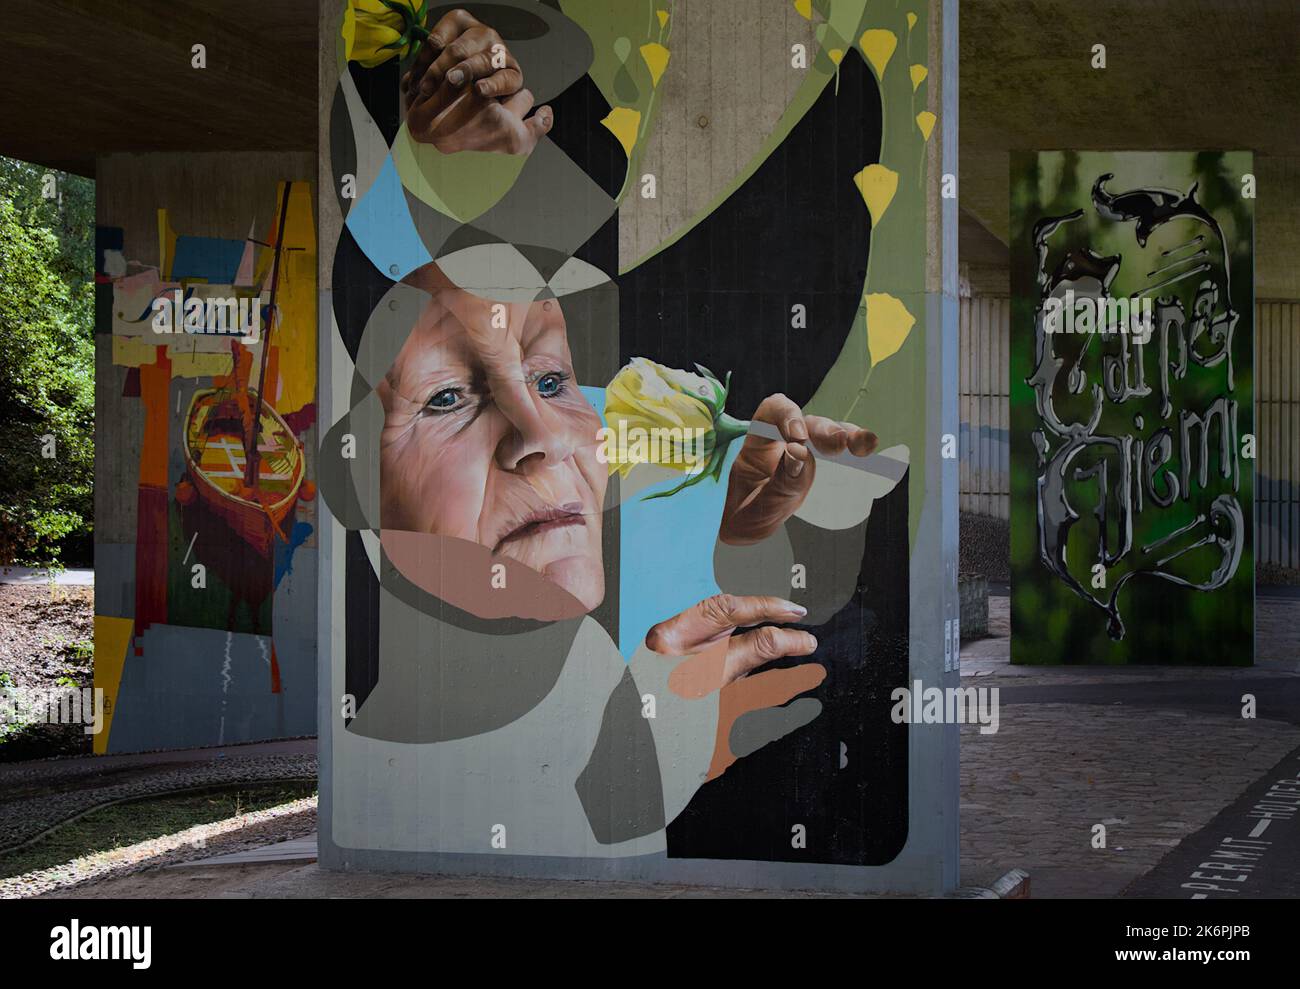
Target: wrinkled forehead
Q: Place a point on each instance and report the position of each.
(457, 327)
(536, 297)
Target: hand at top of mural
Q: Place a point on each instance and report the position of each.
(718, 657)
(465, 92)
(771, 478)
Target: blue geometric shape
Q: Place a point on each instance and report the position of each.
(381, 224)
(666, 553)
(213, 258)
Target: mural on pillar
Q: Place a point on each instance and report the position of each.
(1132, 408)
(218, 354)
(626, 509)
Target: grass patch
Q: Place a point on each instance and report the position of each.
(145, 819)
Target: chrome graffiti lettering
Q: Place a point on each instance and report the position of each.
(1179, 264)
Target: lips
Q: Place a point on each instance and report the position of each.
(542, 520)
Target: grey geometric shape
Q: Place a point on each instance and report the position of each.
(760, 568)
(343, 148)
(833, 558)
(439, 682)
(591, 319)
(620, 789)
(335, 477)
(754, 729)
(367, 423)
(553, 203)
(388, 328)
(198, 686)
(548, 261)
(115, 579)
(496, 272)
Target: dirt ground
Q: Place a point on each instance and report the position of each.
(46, 643)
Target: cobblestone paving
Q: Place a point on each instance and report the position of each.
(41, 795)
(1032, 792)
(134, 863)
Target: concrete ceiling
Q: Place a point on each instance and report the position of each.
(86, 77)
(1180, 75)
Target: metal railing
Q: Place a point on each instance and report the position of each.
(985, 414)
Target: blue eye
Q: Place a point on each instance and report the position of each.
(444, 400)
(550, 385)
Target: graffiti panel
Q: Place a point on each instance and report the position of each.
(206, 554)
(1132, 367)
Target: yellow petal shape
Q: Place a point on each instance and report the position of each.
(804, 7)
(888, 324)
(663, 17)
(877, 185)
(878, 45)
(911, 20)
(919, 72)
(623, 122)
(925, 120)
(656, 60)
(835, 55)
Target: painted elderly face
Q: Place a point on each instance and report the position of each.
(488, 439)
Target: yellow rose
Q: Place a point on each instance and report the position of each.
(375, 31)
(672, 418)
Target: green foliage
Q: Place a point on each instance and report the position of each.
(47, 362)
(82, 651)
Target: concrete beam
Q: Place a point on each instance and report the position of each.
(84, 78)
(1180, 75)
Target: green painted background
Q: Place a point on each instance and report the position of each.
(1165, 623)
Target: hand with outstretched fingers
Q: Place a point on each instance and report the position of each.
(771, 478)
(718, 656)
(465, 92)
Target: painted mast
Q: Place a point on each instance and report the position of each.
(251, 455)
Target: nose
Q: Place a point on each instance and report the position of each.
(536, 439)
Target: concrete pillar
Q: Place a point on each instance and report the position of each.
(722, 107)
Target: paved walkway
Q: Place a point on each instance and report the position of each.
(1154, 754)
(298, 850)
(1159, 757)
(286, 880)
(29, 575)
(95, 765)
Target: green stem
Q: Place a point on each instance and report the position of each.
(727, 428)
